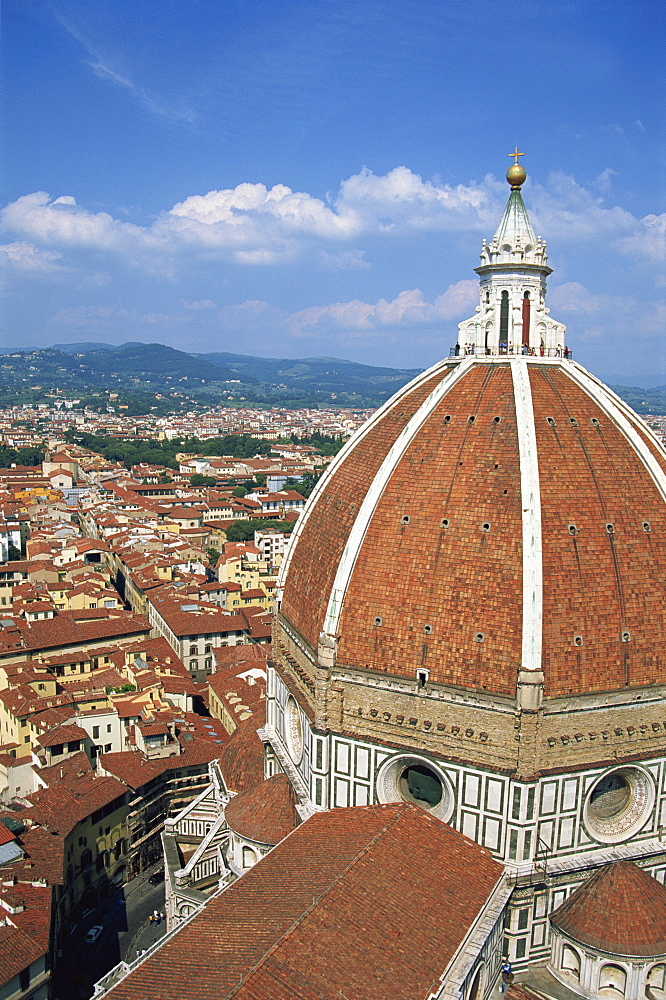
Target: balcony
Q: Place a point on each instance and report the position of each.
(509, 350)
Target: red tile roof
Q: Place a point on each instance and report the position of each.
(66, 630)
(35, 919)
(204, 618)
(6, 835)
(264, 814)
(132, 768)
(17, 951)
(620, 909)
(44, 855)
(392, 878)
(62, 734)
(242, 760)
(72, 799)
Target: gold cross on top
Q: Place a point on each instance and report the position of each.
(516, 154)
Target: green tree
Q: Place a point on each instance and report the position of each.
(243, 531)
(305, 485)
(196, 479)
(240, 491)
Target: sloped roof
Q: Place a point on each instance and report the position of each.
(515, 225)
(18, 950)
(264, 814)
(401, 882)
(620, 909)
(242, 760)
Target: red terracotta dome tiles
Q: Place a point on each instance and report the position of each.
(619, 910)
(597, 583)
(434, 588)
(460, 580)
(321, 544)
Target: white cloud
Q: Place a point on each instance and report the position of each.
(402, 198)
(572, 297)
(253, 225)
(26, 257)
(612, 315)
(63, 223)
(407, 309)
(100, 62)
(96, 318)
(292, 211)
(648, 242)
(345, 260)
(566, 209)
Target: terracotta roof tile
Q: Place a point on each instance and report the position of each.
(242, 760)
(62, 734)
(620, 909)
(266, 813)
(404, 884)
(17, 951)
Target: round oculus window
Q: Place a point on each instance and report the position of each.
(294, 730)
(619, 804)
(421, 785)
(417, 780)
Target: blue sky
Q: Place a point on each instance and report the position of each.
(315, 177)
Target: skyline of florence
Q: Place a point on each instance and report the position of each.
(319, 181)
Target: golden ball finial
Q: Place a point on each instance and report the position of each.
(516, 175)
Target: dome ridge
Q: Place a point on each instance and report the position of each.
(605, 400)
(367, 509)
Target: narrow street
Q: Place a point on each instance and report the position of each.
(127, 929)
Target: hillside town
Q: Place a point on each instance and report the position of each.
(30, 424)
(135, 625)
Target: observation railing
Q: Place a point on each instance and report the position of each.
(509, 350)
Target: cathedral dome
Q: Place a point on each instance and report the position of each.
(499, 516)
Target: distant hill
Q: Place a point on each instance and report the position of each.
(84, 367)
(321, 374)
(220, 377)
(152, 362)
(643, 400)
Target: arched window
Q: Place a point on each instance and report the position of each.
(570, 961)
(612, 981)
(249, 857)
(475, 991)
(656, 978)
(86, 858)
(526, 319)
(504, 319)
